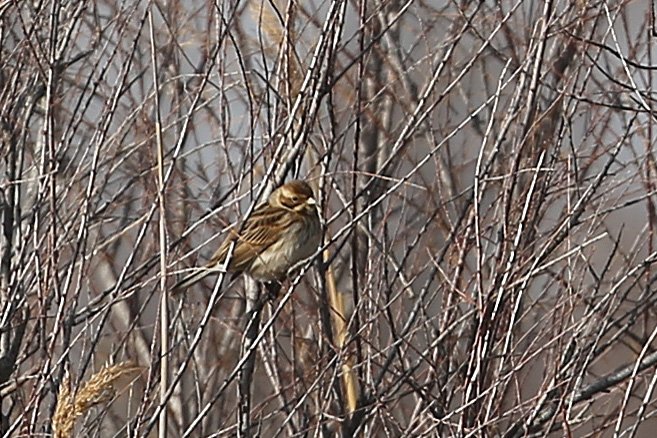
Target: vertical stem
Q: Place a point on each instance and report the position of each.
(339, 319)
(254, 305)
(164, 310)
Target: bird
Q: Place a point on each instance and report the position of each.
(278, 234)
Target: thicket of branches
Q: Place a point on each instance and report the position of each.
(487, 182)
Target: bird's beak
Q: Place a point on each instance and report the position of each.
(311, 204)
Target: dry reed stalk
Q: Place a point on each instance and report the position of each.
(339, 316)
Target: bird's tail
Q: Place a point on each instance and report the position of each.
(190, 280)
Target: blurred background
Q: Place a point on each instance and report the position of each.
(487, 184)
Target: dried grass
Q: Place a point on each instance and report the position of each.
(98, 389)
(267, 17)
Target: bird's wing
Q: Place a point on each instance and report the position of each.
(259, 232)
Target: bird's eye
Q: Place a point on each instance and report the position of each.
(295, 198)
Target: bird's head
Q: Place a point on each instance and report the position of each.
(296, 196)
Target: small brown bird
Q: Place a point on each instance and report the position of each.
(279, 234)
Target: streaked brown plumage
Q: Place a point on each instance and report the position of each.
(279, 234)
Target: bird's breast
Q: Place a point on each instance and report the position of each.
(299, 241)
